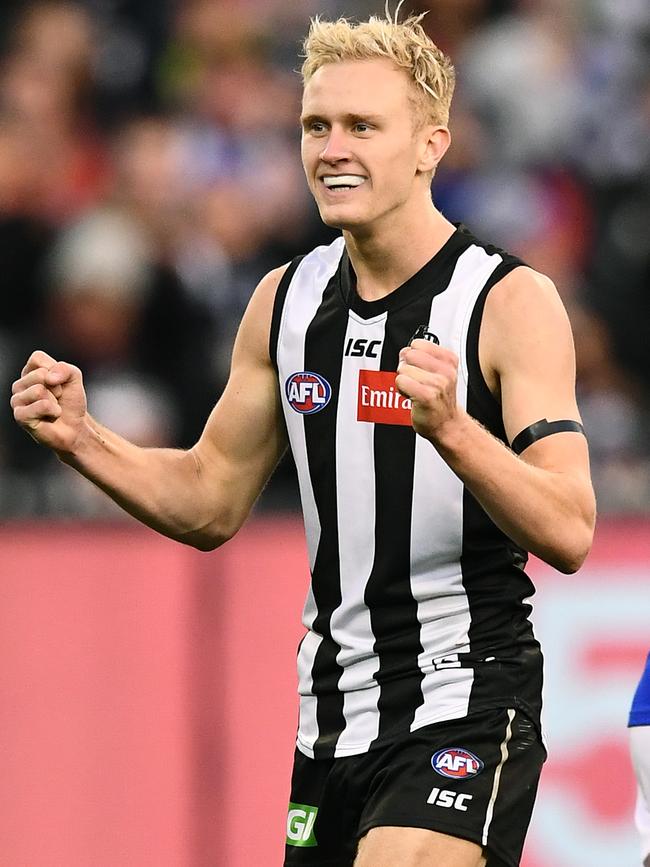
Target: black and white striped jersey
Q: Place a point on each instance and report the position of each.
(416, 610)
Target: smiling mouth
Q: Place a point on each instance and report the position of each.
(334, 183)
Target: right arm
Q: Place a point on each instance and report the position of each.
(200, 496)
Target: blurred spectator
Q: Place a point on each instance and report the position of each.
(616, 414)
(46, 90)
(450, 23)
(142, 345)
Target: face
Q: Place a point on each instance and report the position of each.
(363, 156)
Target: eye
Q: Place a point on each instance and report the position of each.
(315, 127)
(362, 127)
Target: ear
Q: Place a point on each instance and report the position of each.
(434, 141)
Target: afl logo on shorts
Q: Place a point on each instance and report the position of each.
(456, 763)
(307, 392)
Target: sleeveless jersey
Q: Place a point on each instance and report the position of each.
(640, 710)
(416, 610)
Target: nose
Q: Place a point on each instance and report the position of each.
(335, 148)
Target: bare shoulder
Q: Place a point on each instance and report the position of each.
(526, 351)
(254, 330)
(269, 283)
(522, 292)
(524, 314)
(263, 297)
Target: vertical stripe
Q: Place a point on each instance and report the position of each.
(278, 308)
(487, 407)
(497, 777)
(443, 610)
(307, 723)
(388, 594)
(303, 298)
(324, 345)
(355, 490)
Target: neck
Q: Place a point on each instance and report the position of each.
(385, 257)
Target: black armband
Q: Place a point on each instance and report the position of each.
(543, 428)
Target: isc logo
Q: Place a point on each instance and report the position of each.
(456, 763)
(445, 798)
(361, 347)
(300, 825)
(307, 392)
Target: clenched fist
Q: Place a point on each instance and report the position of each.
(427, 374)
(49, 402)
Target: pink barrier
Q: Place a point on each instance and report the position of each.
(95, 718)
(148, 709)
(147, 696)
(252, 665)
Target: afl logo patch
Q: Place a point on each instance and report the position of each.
(307, 392)
(456, 763)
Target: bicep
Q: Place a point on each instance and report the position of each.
(244, 436)
(529, 345)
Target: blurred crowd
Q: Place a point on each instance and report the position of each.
(150, 175)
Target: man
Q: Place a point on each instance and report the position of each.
(400, 362)
(639, 724)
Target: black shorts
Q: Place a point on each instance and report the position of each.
(474, 778)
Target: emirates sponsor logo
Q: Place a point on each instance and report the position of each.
(379, 400)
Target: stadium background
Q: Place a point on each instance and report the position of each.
(149, 176)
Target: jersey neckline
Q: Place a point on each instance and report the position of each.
(429, 278)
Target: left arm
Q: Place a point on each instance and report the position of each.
(543, 499)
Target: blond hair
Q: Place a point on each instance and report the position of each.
(405, 43)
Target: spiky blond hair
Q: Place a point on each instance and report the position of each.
(405, 43)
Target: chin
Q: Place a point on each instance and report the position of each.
(337, 219)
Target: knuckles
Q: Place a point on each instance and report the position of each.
(429, 356)
(38, 358)
(27, 393)
(32, 398)
(439, 379)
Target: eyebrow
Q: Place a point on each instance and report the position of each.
(350, 118)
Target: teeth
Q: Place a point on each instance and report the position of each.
(343, 180)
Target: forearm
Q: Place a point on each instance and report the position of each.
(161, 487)
(549, 514)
